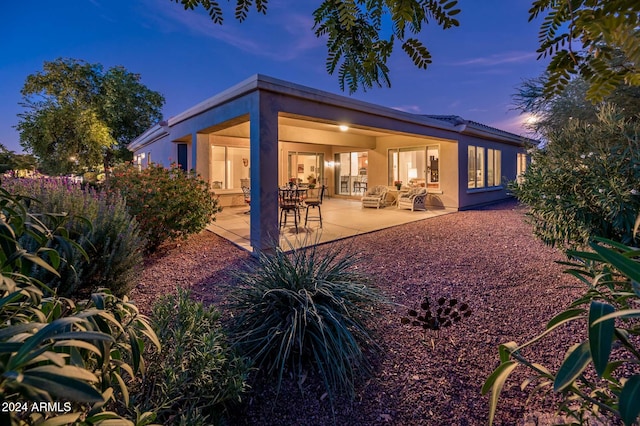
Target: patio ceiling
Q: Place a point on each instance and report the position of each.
(290, 124)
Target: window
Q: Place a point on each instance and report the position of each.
(477, 178)
(229, 166)
(417, 166)
(521, 166)
(307, 167)
(494, 171)
(475, 167)
(138, 160)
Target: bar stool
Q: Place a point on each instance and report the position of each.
(313, 202)
(289, 200)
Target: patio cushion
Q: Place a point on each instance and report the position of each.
(375, 197)
(415, 199)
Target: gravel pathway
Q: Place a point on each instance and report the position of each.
(487, 258)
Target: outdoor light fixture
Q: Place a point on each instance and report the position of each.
(343, 127)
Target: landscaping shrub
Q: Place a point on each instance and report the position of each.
(79, 355)
(197, 375)
(108, 234)
(601, 375)
(303, 309)
(585, 182)
(168, 203)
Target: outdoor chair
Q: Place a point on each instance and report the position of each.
(289, 200)
(246, 191)
(314, 200)
(415, 199)
(375, 197)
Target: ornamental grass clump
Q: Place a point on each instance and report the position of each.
(168, 203)
(306, 309)
(100, 224)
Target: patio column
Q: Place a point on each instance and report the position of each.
(264, 174)
(200, 154)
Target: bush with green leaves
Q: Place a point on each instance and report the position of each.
(52, 349)
(306, 309)
(585, 182)
(107, 233)
(196, 376)
(601, 375)
(168, 203)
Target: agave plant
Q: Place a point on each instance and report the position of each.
(306, 308)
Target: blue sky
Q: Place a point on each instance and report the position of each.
(476, 68)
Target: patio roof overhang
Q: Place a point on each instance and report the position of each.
(400, 121)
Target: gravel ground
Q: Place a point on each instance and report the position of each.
(487, 258)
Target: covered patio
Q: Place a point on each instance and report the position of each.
(264, 132)
(341, 218)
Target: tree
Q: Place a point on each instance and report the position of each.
(584, 183)
(128, 108)
(9, 160)
(600, 28)
(78, 117)
(554, 112)
(358, 48)
(357, 44)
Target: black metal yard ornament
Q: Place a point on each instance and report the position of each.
(446, 313)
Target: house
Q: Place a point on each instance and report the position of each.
(270, 131)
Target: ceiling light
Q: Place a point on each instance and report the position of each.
(343, 127)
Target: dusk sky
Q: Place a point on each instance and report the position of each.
(476, 68)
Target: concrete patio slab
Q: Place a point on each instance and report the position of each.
(341, 218)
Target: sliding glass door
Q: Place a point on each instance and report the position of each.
(351, 173)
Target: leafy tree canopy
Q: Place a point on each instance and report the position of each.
(554, 112)
(579, 36)
(77, 116)
(584, 37)
(9, 160)
(361, 34)
(584, 184)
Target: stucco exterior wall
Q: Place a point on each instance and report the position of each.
(476, 197)
(161, 151)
